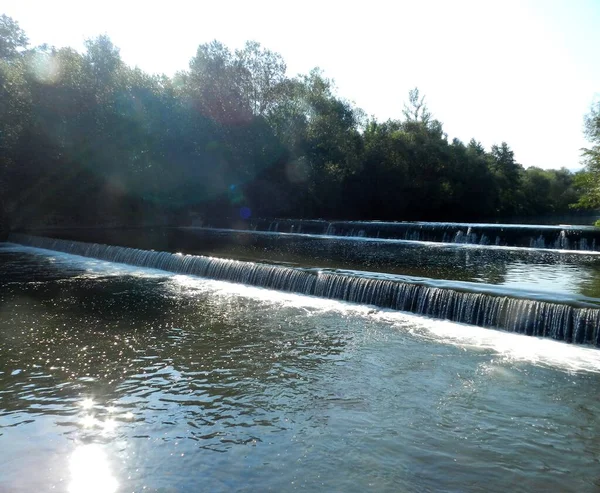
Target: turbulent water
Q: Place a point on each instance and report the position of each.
(562, 319)
(573, 273)
(120, 378)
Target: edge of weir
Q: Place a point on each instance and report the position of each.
(562, 320)
(392, 241)
(576, 301)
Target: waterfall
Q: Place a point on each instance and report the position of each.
(562, 242)
(459, 237)
(538, 242)
(532, 317)
(469, 237)
(521, 235)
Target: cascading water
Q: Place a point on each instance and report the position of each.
(562, 242)
(560, 321)
(555, 237)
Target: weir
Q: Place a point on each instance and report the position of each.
(535, 236)
(564, 321)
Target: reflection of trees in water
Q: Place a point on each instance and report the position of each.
(590, 285)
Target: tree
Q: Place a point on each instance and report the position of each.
(12, 38)
(416, 109)
(214, 84)
(588, 182)
(508, 178)
(85, 137)
(262, 74)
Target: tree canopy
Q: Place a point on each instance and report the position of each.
(86, 139)
(588, 182)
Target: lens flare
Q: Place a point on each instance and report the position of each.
(46, 68)
(245, 213)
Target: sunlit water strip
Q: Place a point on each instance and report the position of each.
(508, 346)
(417, 243)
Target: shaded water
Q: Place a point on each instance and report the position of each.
(120, 378)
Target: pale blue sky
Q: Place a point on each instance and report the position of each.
(521, 71)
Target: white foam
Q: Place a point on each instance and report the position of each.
(509, 346)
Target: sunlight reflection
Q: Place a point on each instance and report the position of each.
(87, 403)
(109, 426)
(89, 421)
(90, 471)
(514, 347)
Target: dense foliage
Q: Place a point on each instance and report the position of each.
(88, 139)
(589, 180)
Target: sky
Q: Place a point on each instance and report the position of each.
(524, 72)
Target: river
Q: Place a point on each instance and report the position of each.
(122, 378)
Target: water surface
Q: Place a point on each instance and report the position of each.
(572, 273)
(114, 378)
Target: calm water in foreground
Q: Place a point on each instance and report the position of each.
(120, 379)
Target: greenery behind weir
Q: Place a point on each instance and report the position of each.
(86, 139)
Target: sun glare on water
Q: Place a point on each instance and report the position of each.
(90, 471)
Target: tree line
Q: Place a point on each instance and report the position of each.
(86, 137)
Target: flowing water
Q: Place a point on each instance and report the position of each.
(566, 237)
(124, 378)
(573, 273)
(539, 314)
